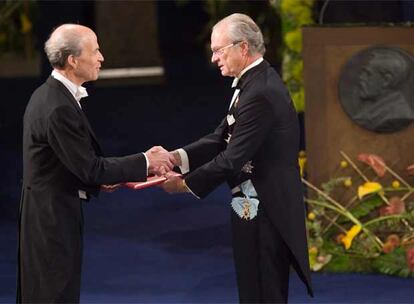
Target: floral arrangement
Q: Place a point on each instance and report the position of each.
(294, 14)
(370, 229)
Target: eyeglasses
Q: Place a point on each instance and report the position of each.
(220, 51)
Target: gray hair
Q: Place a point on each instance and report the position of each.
(242, 28)
(60, 45)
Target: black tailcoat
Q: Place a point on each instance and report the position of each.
(265, 132)
(60, 157)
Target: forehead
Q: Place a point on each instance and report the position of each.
(90, 40)
(219, 37)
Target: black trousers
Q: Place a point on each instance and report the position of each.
(262, 260)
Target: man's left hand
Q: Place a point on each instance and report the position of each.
(174, 184)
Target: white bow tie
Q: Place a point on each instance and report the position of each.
(81, 93)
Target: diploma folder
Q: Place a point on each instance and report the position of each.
(151, 181)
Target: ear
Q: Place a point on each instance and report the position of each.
(388, 78)
(72, 61)
(244, 46)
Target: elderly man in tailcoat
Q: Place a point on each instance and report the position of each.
(254, 150)
(62, 167)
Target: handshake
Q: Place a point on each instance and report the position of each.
(160, 163)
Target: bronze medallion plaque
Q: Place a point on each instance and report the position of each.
(376, 89)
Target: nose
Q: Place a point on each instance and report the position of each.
(214, 58)
(101, 57)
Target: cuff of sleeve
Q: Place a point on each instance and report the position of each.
(146, 159)
(189, 190)
(185, 164)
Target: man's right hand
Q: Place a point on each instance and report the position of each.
(177, 158)
(160, 161)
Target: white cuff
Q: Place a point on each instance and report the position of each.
(146, 158)
(192, 192)
(185, 164)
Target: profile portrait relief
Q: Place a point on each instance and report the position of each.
(376, 89)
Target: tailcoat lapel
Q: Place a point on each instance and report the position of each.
(56, 83)
(251, 74)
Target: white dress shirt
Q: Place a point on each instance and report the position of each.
(78, 92)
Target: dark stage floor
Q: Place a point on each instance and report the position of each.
(149, 247)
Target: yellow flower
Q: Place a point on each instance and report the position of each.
(287, 5)
(344, 164)
(312, 260)
(297, 70)
(396, 184)
(368, 188)
(26, 24)
(313, 250)
(303, 15)
(299, 100)
(348, 182)
(311, 216)
(298, 10)
(350, 235)
(308, 2)
(293, 40)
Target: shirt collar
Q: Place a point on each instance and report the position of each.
(252, 65)
(78, 92)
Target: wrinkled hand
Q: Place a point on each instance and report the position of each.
(174, 184)
(410, 170)
(160, 161)
(110, 188)
(177, 158)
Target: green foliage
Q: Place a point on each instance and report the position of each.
(348, 263)
(329, 186)
(294, 14)
(393, 263)
(368, 205)
(393, 224)
(343, 261)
